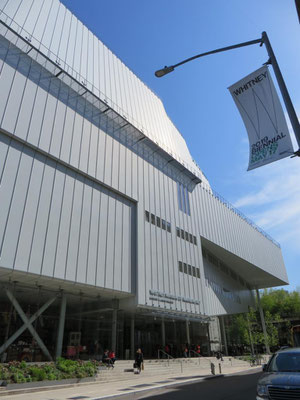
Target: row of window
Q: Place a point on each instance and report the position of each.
(224, 268)
(157, 221)
(223, 291)
(185, 235)
(183, 198)
(188, 269)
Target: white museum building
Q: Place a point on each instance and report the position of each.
(110, 234)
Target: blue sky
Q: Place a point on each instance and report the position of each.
(148, 35)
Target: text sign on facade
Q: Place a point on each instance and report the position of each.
(258, 103)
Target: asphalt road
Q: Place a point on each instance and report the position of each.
(241, 386)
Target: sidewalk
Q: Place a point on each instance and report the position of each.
(105, 390)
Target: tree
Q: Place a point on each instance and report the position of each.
(280, 307)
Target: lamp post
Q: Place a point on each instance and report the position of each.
(272, 60)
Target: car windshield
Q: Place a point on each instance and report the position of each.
(285, 362)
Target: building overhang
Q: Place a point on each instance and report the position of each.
(171, 315)
(255, 276)
(32, 282)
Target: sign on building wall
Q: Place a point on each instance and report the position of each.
(258, 103)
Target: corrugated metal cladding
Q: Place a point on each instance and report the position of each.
(59, 34)
(84, 199)
(57, 223)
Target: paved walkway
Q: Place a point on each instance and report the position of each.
(108, 390)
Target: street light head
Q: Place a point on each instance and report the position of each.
(164, 71)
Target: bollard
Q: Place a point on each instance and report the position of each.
(213, 368)
(220, 368)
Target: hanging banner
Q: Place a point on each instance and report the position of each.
(258, 103)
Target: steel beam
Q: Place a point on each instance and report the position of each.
(27, 324)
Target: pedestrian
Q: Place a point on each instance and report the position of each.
(185, 352)
(167, 349)
(139, 359)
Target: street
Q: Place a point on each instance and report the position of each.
(237, 387)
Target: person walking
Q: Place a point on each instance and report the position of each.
(139, 358)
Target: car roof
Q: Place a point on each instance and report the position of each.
(289, 350)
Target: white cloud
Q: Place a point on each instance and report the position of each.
(272, 187)
(288, 212)
(274, 200)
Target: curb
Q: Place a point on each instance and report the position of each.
(173, 384)
(118, 395)
(43, 388)
(158, 387)
(66, 386)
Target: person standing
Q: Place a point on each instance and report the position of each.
(139, 358)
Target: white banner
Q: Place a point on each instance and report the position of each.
(258, 103)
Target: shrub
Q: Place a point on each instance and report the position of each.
(67, 366)
(51, 376)
(37, 373)
(19, 372)
(4, 373)
(18, 377)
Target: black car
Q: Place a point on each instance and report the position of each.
(281, 377)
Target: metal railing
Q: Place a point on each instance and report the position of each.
(211, 364)
(197, 354)
(243, 216)
(159, 351)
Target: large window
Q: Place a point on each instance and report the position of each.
(183, 198)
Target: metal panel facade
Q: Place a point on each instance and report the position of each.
(77, 181)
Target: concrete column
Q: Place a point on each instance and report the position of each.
(175, 339)
(187, 326)
(114, 330)
(132, 349)
(224, 334)
(262, 318)
(121, 336)
(208, 339)
(163, 333)
(61, 326)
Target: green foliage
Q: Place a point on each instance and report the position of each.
(279, 306)
(20, 372)
(238, 331)
(282, 302)
(4, 374)
(19, 377)
(37, 373)
(67, 366)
